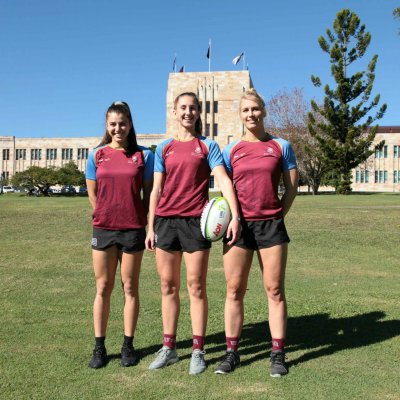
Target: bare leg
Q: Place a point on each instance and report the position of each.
(273, 264)
(196, 270)
(130, 270)
(168, 266)
(237, 263)
(104, 264)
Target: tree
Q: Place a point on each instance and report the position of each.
(396, 13)
(36, 177)
(344, 139)
(69, 174)
(288, 114)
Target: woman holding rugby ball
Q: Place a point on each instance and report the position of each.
(181, 172)
(256, 163)
(117, 171)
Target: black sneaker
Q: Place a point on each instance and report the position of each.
(278, 366)
(128, 356)
(99, 358)
(230, 361)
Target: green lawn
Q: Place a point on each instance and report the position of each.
(343, 294)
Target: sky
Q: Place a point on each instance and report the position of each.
(63, 62)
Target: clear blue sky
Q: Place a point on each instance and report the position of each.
(62, 62)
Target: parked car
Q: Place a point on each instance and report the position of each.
(68, 189)
(8, 189)
(82, 191)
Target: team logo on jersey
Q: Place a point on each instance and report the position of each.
(269, 151)
(169, 153)
(239, 155)
(134, 160)
(197, 152)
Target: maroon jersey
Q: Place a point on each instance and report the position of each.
(187, 167)
(119, 180)
(256, 168)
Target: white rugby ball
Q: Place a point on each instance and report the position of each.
(215, 219)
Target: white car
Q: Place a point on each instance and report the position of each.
(8, 189)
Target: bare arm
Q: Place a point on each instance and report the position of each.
(92, 192)
(290, 180)
(226, 186)
(155, 195)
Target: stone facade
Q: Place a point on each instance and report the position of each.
(381, 172)
(18, 154)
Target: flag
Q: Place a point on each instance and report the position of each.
(237, 59)
(174, 64)
(182, 69)
(209, 49)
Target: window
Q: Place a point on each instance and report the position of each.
(5, 175)
(51, 154)
(215, 129)
(207, 129)
(207, 107)
(67, 154)
(211, 182)
(385, 151)
(357, 176)
(396, 151)
(36, 154)
(83, 153)
(376, 152)
(380, 176)
(385, 176)
(376, 176)
(215, 106)
(362, 174)
(366, 176)
(230, 139)
(20, 154)
(6, 154)
(394, 176)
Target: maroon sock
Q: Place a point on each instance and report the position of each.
(232, 343)
(169, 340)
(198, 342)
(278, 344)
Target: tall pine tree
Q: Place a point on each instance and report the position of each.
(344, 132)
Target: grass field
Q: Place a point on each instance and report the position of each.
(343, 294)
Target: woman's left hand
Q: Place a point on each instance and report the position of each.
(233, 231)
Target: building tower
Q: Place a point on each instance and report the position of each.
(219, 92)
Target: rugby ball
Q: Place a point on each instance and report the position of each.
(215, 219)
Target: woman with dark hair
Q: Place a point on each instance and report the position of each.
(256, 164)
(117, 171)
(181, 172)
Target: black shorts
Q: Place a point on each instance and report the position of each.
(179, 234)
(262, 234)
(131, 240)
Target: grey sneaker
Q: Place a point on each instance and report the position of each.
(165, 356)
(197, 363)
(229, 362)
(278, 366)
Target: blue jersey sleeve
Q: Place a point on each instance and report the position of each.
(159, 164)
(91, 166)
(214, 157)
(226, 155)
(148, 163)
(289, 158)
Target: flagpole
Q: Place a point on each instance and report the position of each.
(209, 58)
(244, 59)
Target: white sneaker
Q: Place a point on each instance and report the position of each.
(197, 363)
(165, 356)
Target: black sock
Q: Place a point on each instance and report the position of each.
(100, 341)
(128, 341)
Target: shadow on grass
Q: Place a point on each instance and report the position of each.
(315, 335)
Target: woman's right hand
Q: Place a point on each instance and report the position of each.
(149, 241)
